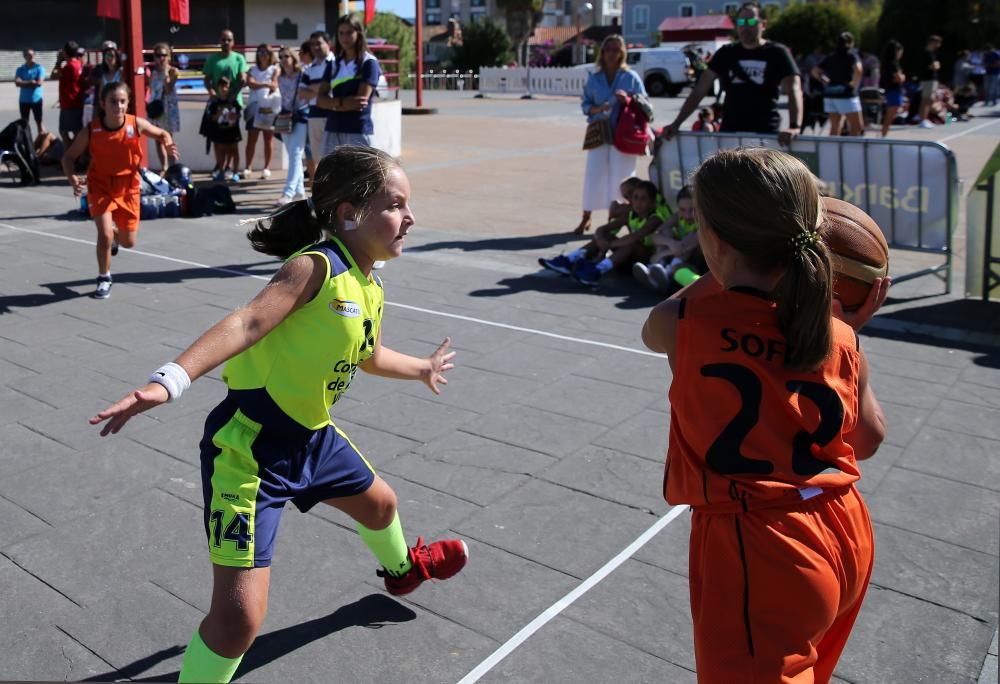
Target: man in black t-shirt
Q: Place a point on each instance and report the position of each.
(751, 72)
(929, 79)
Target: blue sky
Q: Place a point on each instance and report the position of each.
(403, 8)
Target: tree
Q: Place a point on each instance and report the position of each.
(395, 31)
(804, 27)
(483, 44)
(522, 17)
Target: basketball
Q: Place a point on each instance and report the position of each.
(857, 248)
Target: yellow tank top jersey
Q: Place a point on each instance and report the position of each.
(309, 360)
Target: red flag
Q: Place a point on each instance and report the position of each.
(180, 12)
(110, 9)
(369, 11)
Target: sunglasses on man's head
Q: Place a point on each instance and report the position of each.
(747, 21)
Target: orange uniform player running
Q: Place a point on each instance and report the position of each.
(115, 142)
(770, 411)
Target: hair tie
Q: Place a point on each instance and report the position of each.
(800, 242)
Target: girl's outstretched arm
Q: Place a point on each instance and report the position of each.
(388, 363)
(295, 284)
(163, 136)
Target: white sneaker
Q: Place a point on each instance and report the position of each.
(228, 174)
(661, 277)
(641, 273)
(300, 196)
(266, 173)
(924, 123)
(282, 201)
(246, 172)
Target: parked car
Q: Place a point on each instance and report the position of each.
(664, 71)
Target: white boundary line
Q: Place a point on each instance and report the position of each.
(562, 604)
(967, 131)
(567, 600)
(482, 321)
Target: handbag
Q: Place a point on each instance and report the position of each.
(154, 109)
(598, 133)
(283, 123)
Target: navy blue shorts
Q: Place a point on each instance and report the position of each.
(894, 98)
(249, 469)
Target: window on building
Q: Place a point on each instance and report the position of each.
(730, 8)
(476, 17)
(432, 4)
(477, 3)
(686, 10)
(567, 7)
(432, 18)
(640, 18)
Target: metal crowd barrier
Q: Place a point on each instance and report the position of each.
(533, 80)
(909, 187)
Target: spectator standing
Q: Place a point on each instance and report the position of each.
(108, 71)
(69, 71)
(229, 65)
(891, 81)
(963, 71)
(29, 78)
(606, 91)
(263, 81)
(353, 85)
(305, 59)
(812, 90)
(991, 79)
(295, 109)
(316, 81)
(841, 74)
(751, 71)
(929, 79)
(163, 89)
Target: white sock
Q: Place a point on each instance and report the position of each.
(105, 275)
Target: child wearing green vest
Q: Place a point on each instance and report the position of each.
(676, 260)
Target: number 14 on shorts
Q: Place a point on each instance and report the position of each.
(237, 530)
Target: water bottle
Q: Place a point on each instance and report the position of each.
(83, 204)
(173, 206)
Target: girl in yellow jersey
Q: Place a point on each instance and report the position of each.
(290, 354)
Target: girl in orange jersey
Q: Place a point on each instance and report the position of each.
(115, 142)
(770, 411)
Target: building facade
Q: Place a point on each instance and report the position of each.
(641, 18)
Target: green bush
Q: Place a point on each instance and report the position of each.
(394, 30)
(483, 44)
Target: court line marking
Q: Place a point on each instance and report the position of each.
(967, 131)
(562, 604)
(566, 601)
(445, 314)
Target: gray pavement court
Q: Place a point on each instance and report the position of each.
(545, 451)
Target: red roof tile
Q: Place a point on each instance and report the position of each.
(721, 22)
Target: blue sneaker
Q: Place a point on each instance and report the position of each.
(559, 264)
(587, 274)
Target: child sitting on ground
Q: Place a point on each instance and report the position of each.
(676, 261)
(588, 263)
(621, 209)
(224, 132)
(705, 122)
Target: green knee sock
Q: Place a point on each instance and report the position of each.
(201, 664)
(685, 276)
(388, 546)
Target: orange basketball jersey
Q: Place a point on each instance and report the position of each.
(746, 432)
(115, 153)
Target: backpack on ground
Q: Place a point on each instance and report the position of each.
(17, 153)
(209, 200)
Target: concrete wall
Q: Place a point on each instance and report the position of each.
(261, 17)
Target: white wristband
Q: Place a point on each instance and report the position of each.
(173, 377)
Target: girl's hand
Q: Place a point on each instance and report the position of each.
(622, 96)
(860, 316)
(78, 183)
(440, 361)
(142, 399)
(171, 148)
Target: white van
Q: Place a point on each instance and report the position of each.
(664, 71)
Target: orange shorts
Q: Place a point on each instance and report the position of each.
(775, 592)
(119, 196)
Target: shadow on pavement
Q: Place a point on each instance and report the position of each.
(960, 314)
(612, 285)
(372, 612)
(62, 291)
(514, 243)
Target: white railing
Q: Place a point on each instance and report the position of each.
(534, 80)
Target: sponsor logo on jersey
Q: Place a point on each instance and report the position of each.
(234, 498)
(129, 131)
(345, 308)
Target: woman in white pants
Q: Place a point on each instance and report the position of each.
(607, 89)
(295, 139)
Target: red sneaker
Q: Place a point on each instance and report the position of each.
(440, 560)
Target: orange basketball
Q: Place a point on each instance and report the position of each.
(858, 250)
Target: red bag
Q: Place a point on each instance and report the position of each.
(632, 135)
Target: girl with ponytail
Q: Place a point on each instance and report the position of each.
(289, 355)
(770, 412)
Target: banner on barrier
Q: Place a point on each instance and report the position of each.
(910, 188)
